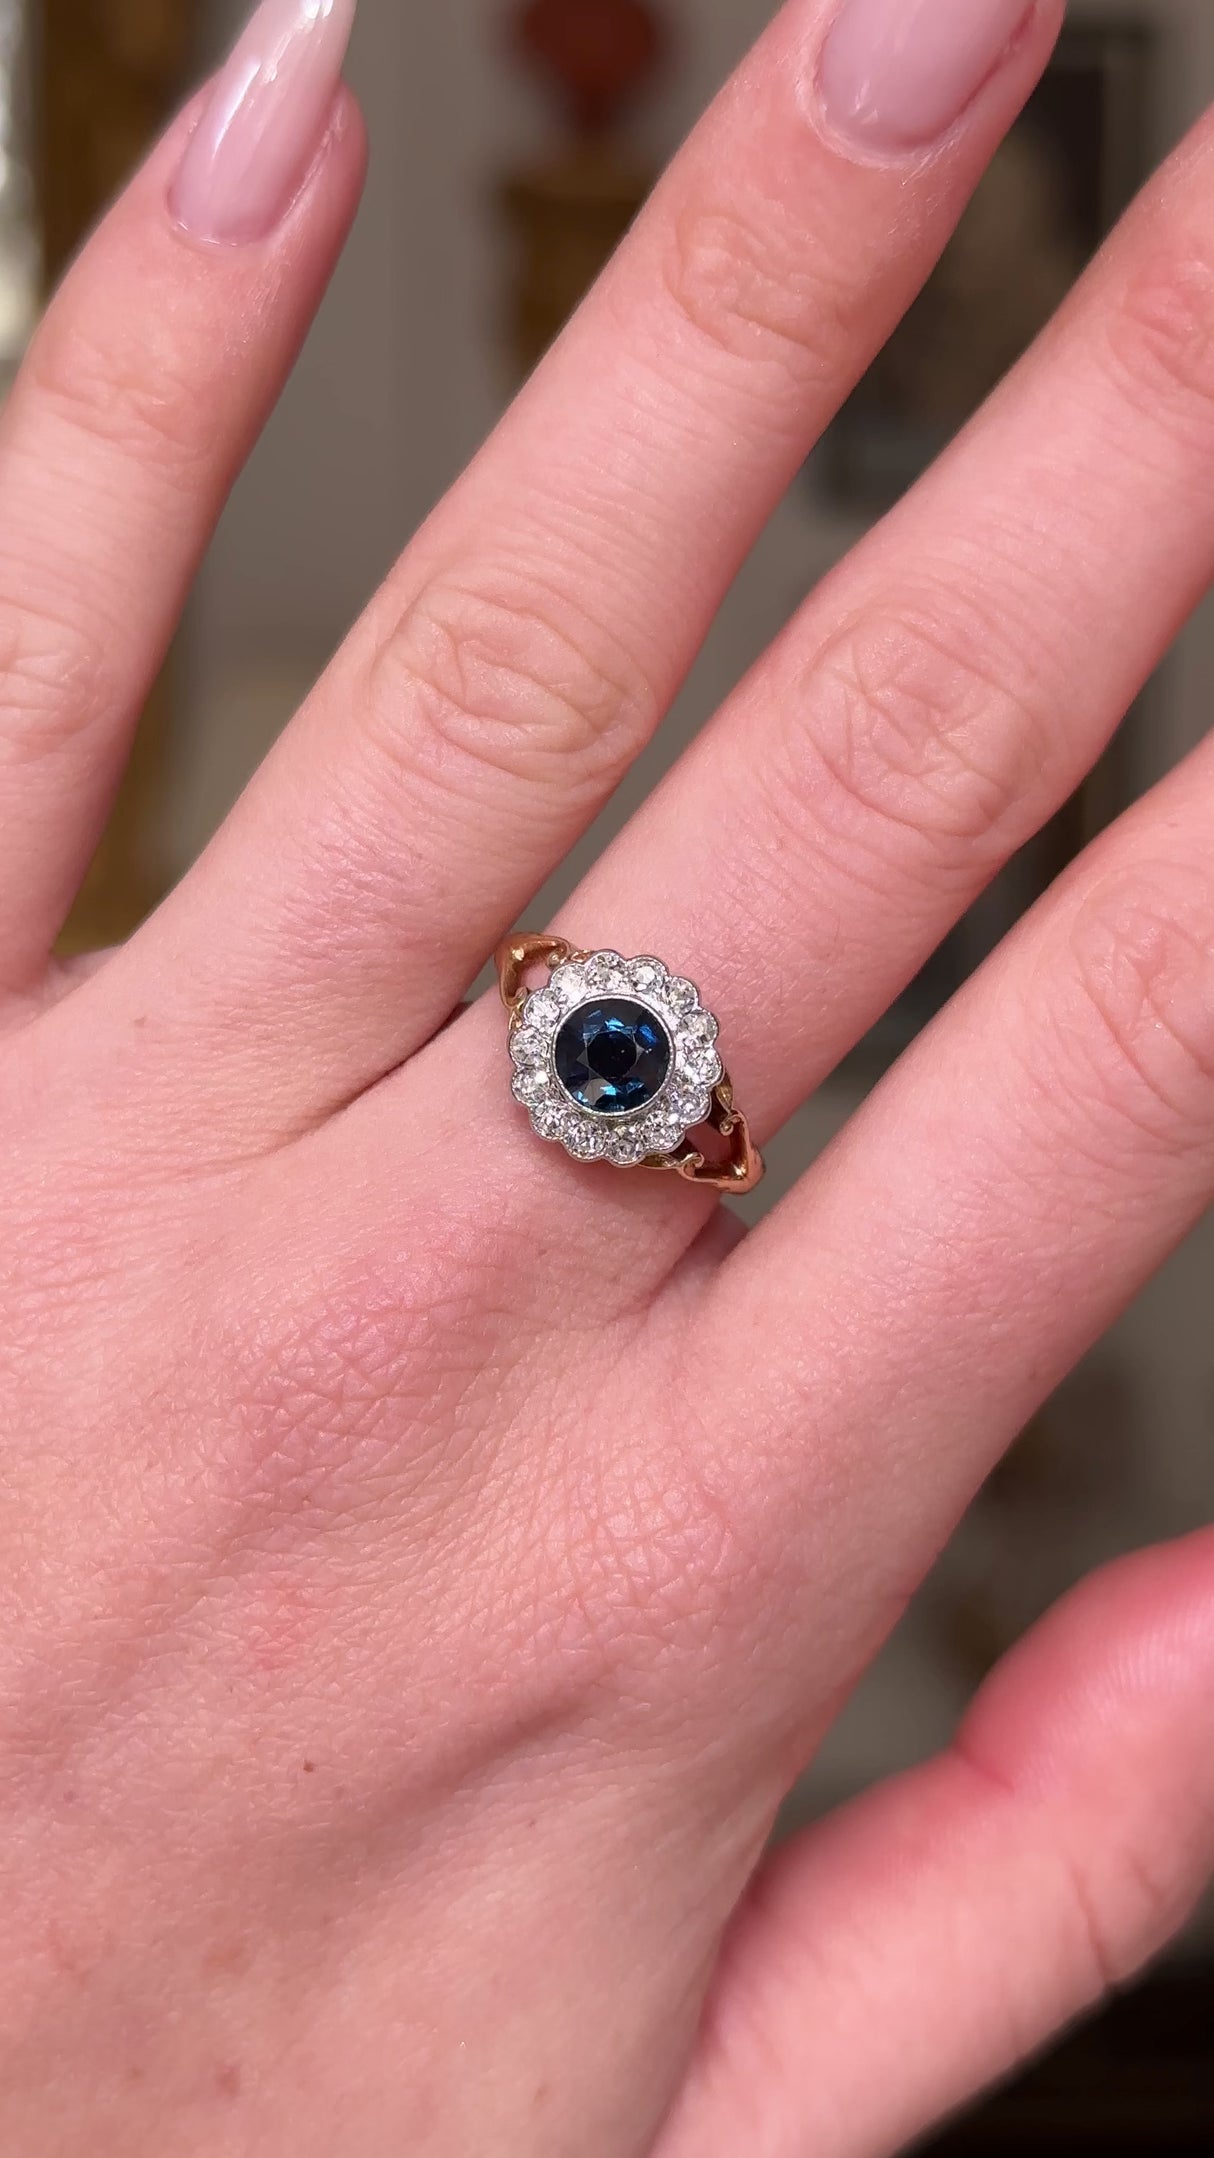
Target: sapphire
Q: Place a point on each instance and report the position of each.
(613, 1057)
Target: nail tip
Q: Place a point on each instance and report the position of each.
(265, 122)
(898, 75)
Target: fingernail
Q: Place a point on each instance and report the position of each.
(898, 74)
(264, 121)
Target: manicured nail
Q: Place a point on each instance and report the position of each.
(264, 121)
(898, 74)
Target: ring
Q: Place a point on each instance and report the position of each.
(616, 1060)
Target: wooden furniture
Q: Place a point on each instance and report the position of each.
(106, 74)
(571, 208)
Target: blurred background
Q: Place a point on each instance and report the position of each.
(513, 141)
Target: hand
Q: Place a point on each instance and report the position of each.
(427, 1562)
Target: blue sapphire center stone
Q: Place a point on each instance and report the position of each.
(613, 1057)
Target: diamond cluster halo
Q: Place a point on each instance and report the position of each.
(615, 1059)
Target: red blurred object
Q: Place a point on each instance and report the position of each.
(599, 52)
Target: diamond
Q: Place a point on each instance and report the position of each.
(662, 1131)
(530, 1086)
(605, 970)
(541, 1009)
(584, 1141)
(701, 1062)
(529, 1046)
(626, 1146)
(646, 974)
(568, 984)
(691, 1102)
(680, 995)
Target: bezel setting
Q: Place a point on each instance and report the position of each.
(633, 1138)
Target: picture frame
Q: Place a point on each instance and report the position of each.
(1052, 193)
(103, 79)
(1068, 170)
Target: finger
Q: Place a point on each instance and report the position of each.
(952, 683)
(920, 1944)
(538, 628)
(993, 1208)
(143, 392)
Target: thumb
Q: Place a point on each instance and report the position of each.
(924, 1940)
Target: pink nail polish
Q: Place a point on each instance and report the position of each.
(264, 121)
(898, 74)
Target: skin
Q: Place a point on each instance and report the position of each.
(413, 1615)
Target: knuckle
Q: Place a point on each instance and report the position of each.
(1141, 946)
(52, 685)
(1124, 1914)
(131, 389)
(756, 293)
(1162, 333)
(678, 1559)
(352, 1400)
(323, 1404)
(507, 686)
(906, 716)
(649, 1559)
